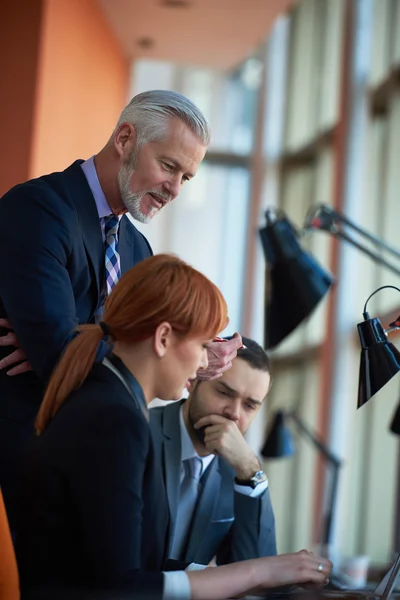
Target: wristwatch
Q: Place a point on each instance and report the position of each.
(253, 482)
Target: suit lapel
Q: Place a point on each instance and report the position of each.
(133, 246)
(172, 456)
(206, 503)
(79, 191)
(126, 245)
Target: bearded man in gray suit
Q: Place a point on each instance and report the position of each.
(217, 491)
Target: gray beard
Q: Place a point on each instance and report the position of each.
(132, 201)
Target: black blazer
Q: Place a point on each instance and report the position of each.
(93, 508)
(51, 274)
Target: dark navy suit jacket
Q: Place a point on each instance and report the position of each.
(93, 510)
(51, 274)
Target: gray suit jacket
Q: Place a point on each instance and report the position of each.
(226, 524)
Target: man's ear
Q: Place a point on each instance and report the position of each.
(125, 139)
(163, 338)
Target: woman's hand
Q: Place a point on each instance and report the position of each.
(302, 568)
(256, 576)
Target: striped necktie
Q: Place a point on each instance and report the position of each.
(113, 269)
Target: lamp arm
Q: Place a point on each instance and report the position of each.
(331, 458)
(375, 256)
(366, 234)
(325, 218)
(327, 529)
(335, 464)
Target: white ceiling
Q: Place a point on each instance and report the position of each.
(216, 33)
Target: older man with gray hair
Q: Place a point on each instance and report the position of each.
(65, 241)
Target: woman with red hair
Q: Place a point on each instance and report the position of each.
(94, 512)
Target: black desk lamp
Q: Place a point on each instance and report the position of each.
(295, 281)
(380, 359)
(279, 443)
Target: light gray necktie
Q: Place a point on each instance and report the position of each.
(187, 502)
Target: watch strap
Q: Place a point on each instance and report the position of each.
(253, 482)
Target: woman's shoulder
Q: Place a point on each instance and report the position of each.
(102, 394)
(103, 377)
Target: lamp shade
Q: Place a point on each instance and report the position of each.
(380, 359)
(279, 442)
(295, 282)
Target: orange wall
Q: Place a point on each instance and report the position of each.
(64, 81)
(20, 29)
(83, 82)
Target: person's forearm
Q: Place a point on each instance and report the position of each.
(223, 582)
